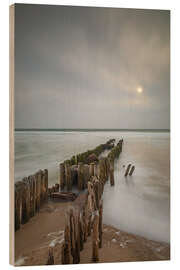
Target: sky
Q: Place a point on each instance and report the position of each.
(80, 67)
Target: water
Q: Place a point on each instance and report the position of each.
(139, 204)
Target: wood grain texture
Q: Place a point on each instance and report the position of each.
(11, 132)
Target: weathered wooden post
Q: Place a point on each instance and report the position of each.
(77, 228)
(101, 173)
(38, 190)
(96, 169)
(46, 183)
(73, 235)
(111, 171)
(96, 191)
(107, 168)
(80, 176)
(66, 256)
(91, 197)
(18, 205)
(132, 170)
(62, 175)
(85, 222)
(91, 169)
(34, 194)
(68, 177)
(81, 231)
(43, 188)
(100, 223)
(95, 238)
(50, 257)
(25, 200)
(127, 170)
(86, 175)
(30, 183)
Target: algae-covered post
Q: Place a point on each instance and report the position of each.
(111, 171)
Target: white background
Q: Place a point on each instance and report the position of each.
(174, 6)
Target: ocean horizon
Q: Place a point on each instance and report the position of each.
(90, 130)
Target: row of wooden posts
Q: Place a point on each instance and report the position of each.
(84, 218)
(79, 175)
(33, 190)
(83, 157)
(83, 221)
(30, 193)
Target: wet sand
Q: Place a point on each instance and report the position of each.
(45, 230)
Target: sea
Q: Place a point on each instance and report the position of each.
(138, 204)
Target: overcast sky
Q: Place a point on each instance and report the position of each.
(78, 67)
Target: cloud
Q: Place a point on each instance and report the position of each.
(80, 67)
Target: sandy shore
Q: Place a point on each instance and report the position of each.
(45, 230)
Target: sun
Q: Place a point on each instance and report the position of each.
(139, 90)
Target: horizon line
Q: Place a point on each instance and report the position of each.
(90, 129)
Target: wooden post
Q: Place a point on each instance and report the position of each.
(18, 205)
(50, 257)
(127, 170)
(80, 176)
(111, 171)
(38, 190)
(25, 201)
(101, 170)
(91, 169)
(132, 170)
(34, 194)
(95, 238)
(85, 222)
(89, 224)
(91, 198)
(66, 256)
(46, 183)
(81, 232)
(68, 177)
(30, 183)
(86, 175)
(100, 223)
(107, 168)
(77, 260)
(74, 174)
(96, 169)
(73, 235)
(42, 186)
(96, 189)
(62, 176)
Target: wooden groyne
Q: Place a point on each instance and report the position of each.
(30, 193)
(84, 218)
(78, 175)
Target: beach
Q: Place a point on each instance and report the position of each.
(136, 214)
(45, 230)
